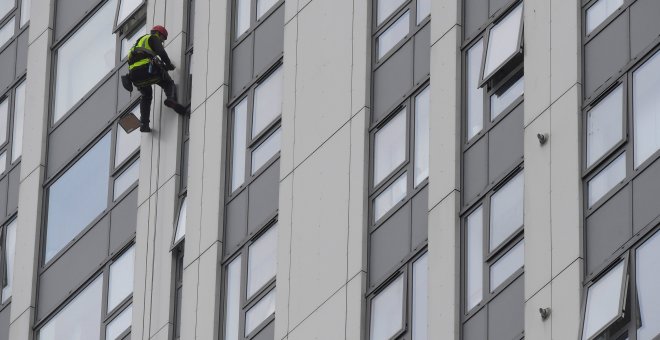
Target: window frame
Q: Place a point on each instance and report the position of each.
(178, 254)
(254, 22)
(378, 30)
(245, 304)
(586, 5)
(7, 147)
(405, 269)
(17, 13)
(132, 20)
(490, 257)
(3, 264)
(252, 143)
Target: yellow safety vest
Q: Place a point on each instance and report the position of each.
(142, 47)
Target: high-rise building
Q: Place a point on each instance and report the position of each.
(350, 169)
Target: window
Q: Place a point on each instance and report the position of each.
(6, 6)
(125, 8)
(120, 285)
(386, 8)
(506, 211)
(475, 95)
(648, 281)
(389, 314)
(604, 125)
(600, 11)
(127, 143)
(130, 39)
(423, 10)
(263, 6)
(613, 174)
(242, 16)
(393, 35)
(84, 59)
(25, 11)
(7, 253)
(386, 200)
(422, 110)
(7, 31)
(180, 229)
(17, 130)
(604, 301)
(475, 256)
(77, 197)
(390, 147)
(646, 109)
(178, 289)
(263, 123)
(256, 307)
(80, 319)
(120, 325)
(126, 179)
(507, 265)
(504, 97)
(504, 42)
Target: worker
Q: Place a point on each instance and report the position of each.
(148, 64)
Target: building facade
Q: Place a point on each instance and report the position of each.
(351, 169)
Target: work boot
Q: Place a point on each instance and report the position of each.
(178, 108)
(145, 127)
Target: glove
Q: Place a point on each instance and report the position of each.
(170, 67)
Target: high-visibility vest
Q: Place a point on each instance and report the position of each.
(140, 51)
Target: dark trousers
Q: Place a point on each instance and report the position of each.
(143, 80)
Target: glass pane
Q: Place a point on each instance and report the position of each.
(387, 311)
(386, 8)
(9, 254)
(266, 150)
(19, 116)
(506, 211)
(646, 109)
(84, 59)
(648, 281)
(120, 324)
(4, 120)
(475, 95)
(126, 7)
(387, 199)
(423, 10)
(262, 261)
(126, 179)
(129, 40)
(390, 147)
(127, 143)
(25, 11)
(239, 145)
(78, 197)
(80, 319)
(233, 304)
(263, 6)
(260, 312)
(6, 6)
(607, 179)
(7, 31)
(604, 301)
(3, 162)
(267, 102)
(503, 41)
(422, 108)
(475, 258)
(420, 298)
(181, 221)
(242, 16)
(502, 99)
(120, 281)
(508, 264)
(393, 34)
(600, 11)
(604, 125)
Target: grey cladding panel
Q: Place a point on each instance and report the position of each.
(21, 53)
(475, 14)
(608, 228)
(607, 53)
(264, 198)
(4, 323)
(390, 243)
(505, 144)
(422, 54)
(420, 217)
(268, 333)
(506, 315)
(644, 24)
(476, 327)
(12, 192)
(475, 169)
(4, 187)
(496, 5)
(75, 266)
(184, 164)
(123, 221)
(241, 66)
(69, 12)
(393, 80)
(269, 41)
(7, 66)
(236, 226)
(646, 197)
(83, 125)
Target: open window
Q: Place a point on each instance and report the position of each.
(504, 45)
(180, 228)
(129, 15)
(605, 301)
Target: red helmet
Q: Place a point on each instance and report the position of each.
(160, 29)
